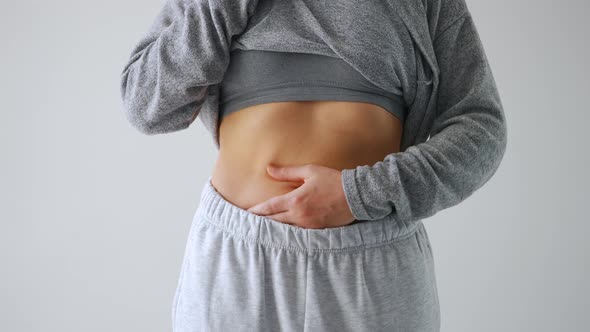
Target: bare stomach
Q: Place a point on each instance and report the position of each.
(335, 134)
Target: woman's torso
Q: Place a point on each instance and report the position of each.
(335, 134)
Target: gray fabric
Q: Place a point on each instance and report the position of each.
(455, 133)
(255, 77)
(244, 272)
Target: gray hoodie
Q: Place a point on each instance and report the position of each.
(454, 136)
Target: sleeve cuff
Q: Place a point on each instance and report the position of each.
(352, 194)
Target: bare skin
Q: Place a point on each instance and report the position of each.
(314, 141)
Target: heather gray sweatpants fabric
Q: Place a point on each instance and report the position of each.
(244, 272)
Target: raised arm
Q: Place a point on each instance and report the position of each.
(467, 140)
(165, 81)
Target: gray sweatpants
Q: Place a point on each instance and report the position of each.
(244, 272)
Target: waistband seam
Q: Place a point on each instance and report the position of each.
(205, 218)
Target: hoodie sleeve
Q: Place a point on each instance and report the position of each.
(467, 140)
(186, 49)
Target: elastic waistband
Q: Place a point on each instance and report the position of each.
(220, 213)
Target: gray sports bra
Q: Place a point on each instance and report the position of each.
(256, 77)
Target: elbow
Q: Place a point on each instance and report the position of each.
(497, 149)
(142, 119)
(502, 139)
(152, 108)
(148, 122)
(503, 143)
(135, 112)
(136, 117)
(141, 125)
(136, 107)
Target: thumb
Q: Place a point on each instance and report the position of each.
(290, 173)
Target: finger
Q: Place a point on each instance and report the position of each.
(272, 205)
(291, 173)
(283, 217)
